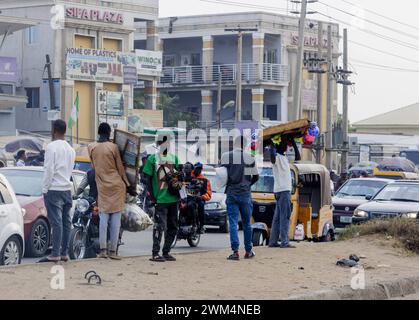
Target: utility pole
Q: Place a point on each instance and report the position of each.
(219, 100)
(343, 78)
(51, 89)
(329, 136)
(239, 77)
(300, 55)
(240, 34)
(320, 88)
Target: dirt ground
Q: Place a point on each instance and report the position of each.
(274, 274)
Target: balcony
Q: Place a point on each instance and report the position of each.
(267, 73)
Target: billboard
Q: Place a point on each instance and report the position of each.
(8, 69)
(110, 103)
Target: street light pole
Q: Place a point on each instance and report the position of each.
(219, 100)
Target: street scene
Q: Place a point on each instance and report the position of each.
(208, 150)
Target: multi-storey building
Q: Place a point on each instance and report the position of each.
(197, 51)
(89, 43)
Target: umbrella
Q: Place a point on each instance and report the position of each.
(397, 164)
(29, 144)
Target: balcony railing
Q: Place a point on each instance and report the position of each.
(251, 73)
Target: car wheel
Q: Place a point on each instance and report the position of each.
(225, 227)
(258, 238)
(11, 253)
(39, 238)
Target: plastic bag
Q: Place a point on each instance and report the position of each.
(134, 219)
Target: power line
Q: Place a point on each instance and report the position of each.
(378, 35)
(381, 15)
(384, 52)
(241, 4)
(245, 5)
(390, 68)
(372, 22)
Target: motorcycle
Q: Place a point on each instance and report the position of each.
(84, 237)
(188, 224)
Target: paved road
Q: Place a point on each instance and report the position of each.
(140, 243)
(411, 297)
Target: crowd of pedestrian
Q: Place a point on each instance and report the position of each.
(165, 178)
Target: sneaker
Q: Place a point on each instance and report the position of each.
(235, 256)
(169, 257)
(157, 258)
(275, 245)
(249, 255)
(114, 256)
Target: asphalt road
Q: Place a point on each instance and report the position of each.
(140, 243)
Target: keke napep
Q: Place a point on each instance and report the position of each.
(312, 210)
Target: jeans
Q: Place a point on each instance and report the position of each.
(240, 204)
(58, 205)
(281, 219)
(113, 222)
(165, 221)
(196, 208)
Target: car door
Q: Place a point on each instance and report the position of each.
(10, 212)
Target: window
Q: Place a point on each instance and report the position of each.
(169, 60)
(5, 197)
(33, 35)
(6, 89)
(195, 59)
(33, 98)
(271, 112)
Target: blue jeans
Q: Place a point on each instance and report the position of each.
(243, 205)
(58, 204)
(109, 222)
(281, 220)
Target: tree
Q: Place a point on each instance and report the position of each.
(172, 114)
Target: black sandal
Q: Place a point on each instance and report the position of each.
(46, 259)
(157, 258)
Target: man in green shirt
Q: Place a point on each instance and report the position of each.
(156, 171)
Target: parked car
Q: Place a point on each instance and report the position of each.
(11, 225)
(27, 184)
(351, 195)
(6, 159)
(397, 199)
(216, 209)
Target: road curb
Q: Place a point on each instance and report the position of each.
(379, 291)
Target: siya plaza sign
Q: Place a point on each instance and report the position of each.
(94, 15)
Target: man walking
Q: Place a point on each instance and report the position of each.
(157, 171)
(112, 184)
(242, 174)
(282, 190)
(59, 164)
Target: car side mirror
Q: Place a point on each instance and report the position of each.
(368, 197)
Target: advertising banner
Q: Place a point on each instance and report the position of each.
(94, 65)
(149, 63)
(110, 103)
(8, 69)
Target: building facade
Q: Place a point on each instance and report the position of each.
(198, 51)
(91, 49)
(12, 97)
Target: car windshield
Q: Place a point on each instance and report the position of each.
(360, 188)
(212, 179)
(25, 182)
(265, 183)
(399, 192)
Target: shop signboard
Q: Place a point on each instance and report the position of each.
(149, 63)
(111, 103)
(94, 65)
(8, 69)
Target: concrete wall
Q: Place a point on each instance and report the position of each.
(225, 49)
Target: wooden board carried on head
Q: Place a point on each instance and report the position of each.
(129, 147)
(293, 128)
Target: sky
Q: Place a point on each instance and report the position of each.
(377, 89)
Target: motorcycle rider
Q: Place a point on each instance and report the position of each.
(204, 194)
(89, 180)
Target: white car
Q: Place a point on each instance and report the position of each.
(11, 225)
